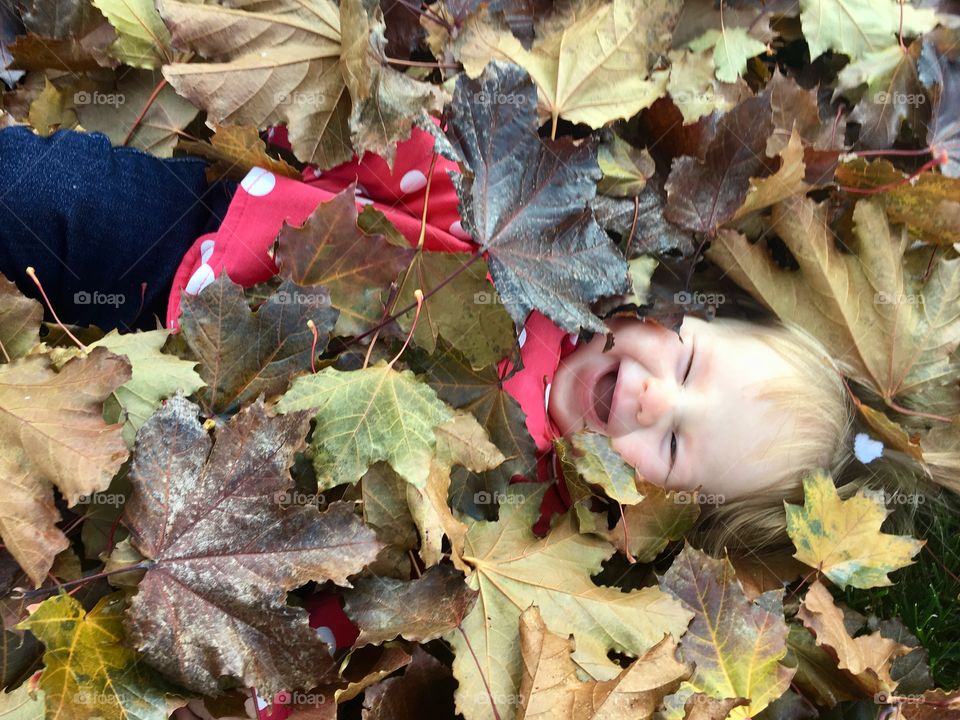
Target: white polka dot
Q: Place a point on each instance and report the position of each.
(259, 182)
(317, 172)
(270, 133)
(360, 190)
(364, 200)
(457, 230)
(201, 277)
(522, 338)
(262, 704)
(206, 250)
(574, 339)
(412, 181)
(546, 397)
(326, 634)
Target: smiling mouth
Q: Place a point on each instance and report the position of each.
(603, 394)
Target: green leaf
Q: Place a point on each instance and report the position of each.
(88, 671)
(155, 375)
(21, 704)
(363, 416)
(144, 40)
(731, 49)
(601, 465)
(467, 311)
(842, 538)
(20, 319)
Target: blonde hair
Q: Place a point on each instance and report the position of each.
(817, 396)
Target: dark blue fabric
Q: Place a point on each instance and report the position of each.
(96, 222)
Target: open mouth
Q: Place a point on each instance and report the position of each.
(603, 394)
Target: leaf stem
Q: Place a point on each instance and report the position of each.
(146, 107)
(486, 685)
(36, 281)
(30, 594)
(423, 64)
(418, 294)
(917, 413)
(929, 165)
(450, 278)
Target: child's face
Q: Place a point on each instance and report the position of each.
(680, 425)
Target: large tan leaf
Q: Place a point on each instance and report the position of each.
(513, 570)
(867, 658)
(550, 687)
(737, 644)
(20, 319)
(591, 64)
(281, 65)
(869, 308)
(52, 434)
(842, 538)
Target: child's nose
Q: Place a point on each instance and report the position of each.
(656, 398)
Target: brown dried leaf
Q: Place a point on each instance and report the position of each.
(224, 551)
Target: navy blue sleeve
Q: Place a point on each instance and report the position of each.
(105, 228)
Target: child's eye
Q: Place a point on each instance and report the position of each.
(673, 448)
(690, 365)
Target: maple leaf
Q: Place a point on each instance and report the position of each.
(420, 610)
(600, 464)
(53, 435)
(736, 644)
(593, 62)
(927, 204)
(545, 249)
(842, 538)
(330, 250)
(694, 89)
(154, 376)
(868, 658)
(703, 194)
(88, 671)
(857, 27)
(235, 151)
(939, 72)
(363, 416)
(732, 47)
(460, 441)
(423, 691)
(467, 311)
(156, 131)
(384, 101)
(864, 306)
(281, 65)
(20, 319)
(243, 353)
(513, 570)
(223, 551)
(787, 181)
(144, 40)
(625, 168)
(550, 686)
(481, 393)
(645, 528)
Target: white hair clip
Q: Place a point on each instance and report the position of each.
(866, 448)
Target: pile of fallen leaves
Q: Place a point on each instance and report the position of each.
(171, 503)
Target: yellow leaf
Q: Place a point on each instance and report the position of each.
(842, 538)
(591, 64)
